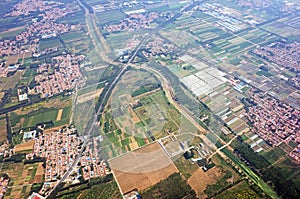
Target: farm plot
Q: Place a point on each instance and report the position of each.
(178, 37)
(21, 178)
(142, 168)
(108, 17)
(3, 131)
(47, 115)
(25, 147)
(283, 30)
(50, 43)
(78, 42)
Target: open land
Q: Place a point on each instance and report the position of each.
(142, 168)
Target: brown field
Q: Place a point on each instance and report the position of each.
(53, 129)
(200, 179)
(40, 169)
(24, 146)
(59, 114)
(1, 96)
(133, 145)
(10, 82)
(13, 59)
(39, 173)
(52, 103)
(135, 118)
(142, 168)
(89, 96)
(3, 131)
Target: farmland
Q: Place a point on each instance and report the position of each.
(153, 166)
(113, 16)
(283, 30)
(78, 42)
(41, 115)
(138, 115)
(25, 147)
(3, 130)
(22, 177)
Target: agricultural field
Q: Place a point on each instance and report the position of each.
(3, 130)
(11, 32)
(74, 18)
(136, 115)
(247, 14)
(78, 42)
(22, 177)
(41, 115)
(50, 43)
(26, 147)
(180, 38)
(109, 17)
(63, 119)
(119, 42)
(283, 30)
(142, 168)
(84, 108)
(274, 155)
(200, 25)
(10, 82)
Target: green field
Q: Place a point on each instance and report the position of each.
(283, 30)
(78, 42)
(49, 43)
(47, 115)
(13, 33)
(113, 16)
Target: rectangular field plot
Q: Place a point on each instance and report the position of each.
(48, 115)
(78, 42)
(283, 30)
(49, 43)
(112, 16)
(3, 131)
(142, 168)
(178, 37)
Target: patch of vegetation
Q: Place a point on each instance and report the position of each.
(172, 187)
(145, 88)
(185, 167)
